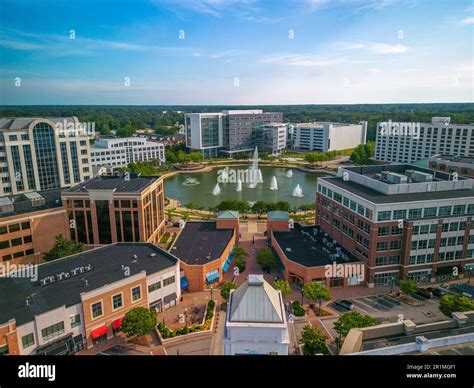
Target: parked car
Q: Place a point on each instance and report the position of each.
(424, 292)
(345, 304)
(438, 292)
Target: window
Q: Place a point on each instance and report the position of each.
(444, 211)
(395, 244)
(382, 246)
(137, 293)
(117, 301)
(4, 244)
(3, 230)
(384, 216)
(27, 239)
(414, 213)
(25, 225)
(459, 209)
(154, 286)
(399, 214)
(53, 330)
(76, 320)
(383, 231)
(14, 228)
(96, 309)
(3, 350)
(16, 242)
(168, 281)
(27, 340)
(429, 212)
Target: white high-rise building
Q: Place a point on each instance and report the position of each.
(410, 142)
(322, 137)
(42, 153)
(256, 320)
(119, 152)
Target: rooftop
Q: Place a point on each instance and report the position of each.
(256, 301)
(201, 242)
(228, 215)
(106, 265)
(31, 202)
(19, 123)
(377, 197)
(311, 247)
(119, 184)
(278, 215)
(453, 158)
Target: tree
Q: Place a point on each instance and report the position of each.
(317, 293)
(225, 289)
(283, 286)
(314, 341)
(240, 264)
(63, 248)
(363, 153)
(138, 321)
(240, 252)
(408, 287)
(266, 259)
(352, 320)
(449, 304)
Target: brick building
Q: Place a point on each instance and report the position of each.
(109, 209)
(402, 221)
(28, 224)
(204, 249)
(78, 301)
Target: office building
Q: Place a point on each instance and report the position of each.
(119, 152)
(229, 132)
(322, 136)
(256, 320)
(410, 142)
(42, 153)
(271, 138)
(403, 221)
(29, 224)
(205, 250)
(462, 165)
(79, 301)
(109, 209)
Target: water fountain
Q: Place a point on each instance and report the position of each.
(298, 191)
(289, 173)
(255, 175)
(216, 190)
(274, 184)
(239, 185)
(190, 182)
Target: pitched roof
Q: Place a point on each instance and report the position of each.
(256, 301)
(228, 215)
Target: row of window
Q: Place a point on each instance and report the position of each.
(14, 227)
(15, 242)
(17, 255)
(117, 302)
(441, 211)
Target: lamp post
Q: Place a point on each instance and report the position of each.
(211, 291)
(302, 293)
(185, 317)
(392, 283)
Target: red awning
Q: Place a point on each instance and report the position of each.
(117, 323)
(100, 331)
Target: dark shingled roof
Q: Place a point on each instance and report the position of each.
(106, 264)
(377, 197)
(22, 205)
(309, 251)
(201, 242)
(135, 184)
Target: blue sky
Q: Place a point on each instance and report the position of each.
(236, 52)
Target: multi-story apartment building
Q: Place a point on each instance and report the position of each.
(79, 301)
(271, 138)
(42, 153)
(403, 221)
(119, 152)
(324, 136)
(410, 142)
(229, 132)
(109, 209)
(462, 165)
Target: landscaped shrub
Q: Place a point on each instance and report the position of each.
(211, 305)
(224, 306)
(298, 310)
(185, 330)
(209, 314)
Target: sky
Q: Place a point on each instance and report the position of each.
(231, 52)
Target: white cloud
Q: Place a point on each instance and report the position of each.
(302, 60)
(383, 48)
(469, 20)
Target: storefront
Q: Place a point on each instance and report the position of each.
(61, 346)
